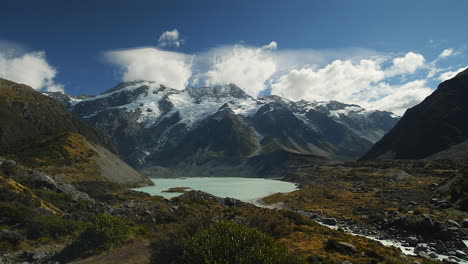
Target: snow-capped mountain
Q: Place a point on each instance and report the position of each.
(155, 126)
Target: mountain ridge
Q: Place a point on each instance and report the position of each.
(39, 132)
(434, 125)
(152, 123)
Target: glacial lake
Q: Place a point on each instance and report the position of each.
(244, 189)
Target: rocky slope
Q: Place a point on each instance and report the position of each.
(156, 127)
(39, 132)
(434, 125)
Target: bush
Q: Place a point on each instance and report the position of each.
(52, 226)
(169, 242)
(14, 214)
(103, 233)
(229, 242)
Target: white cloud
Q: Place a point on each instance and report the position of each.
(450, 74)
(248, 67)
(446, 53)
(164, 67)
(29, 68)
(406, 65)
(397, 99)
(357, 76)
(363, 83)
(340, 80)
(170, 39)
(272, 46)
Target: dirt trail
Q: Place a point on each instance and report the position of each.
(137, 252)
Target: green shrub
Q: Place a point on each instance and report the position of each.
(52, 226)
(103, 233)
(14, 214)
(229, 242)
(169, 242)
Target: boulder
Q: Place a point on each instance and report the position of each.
(412, 241)
(423, 254)
(460, 254)
(373, 254)
(464, 223)
(420, 248)
(346, 248)
(38, 255)
(453, 223)
(440, 246)
(329, 221)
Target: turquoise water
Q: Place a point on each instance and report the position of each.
(244, 189)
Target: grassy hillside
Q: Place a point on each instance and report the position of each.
(26, 114)
(75, 159)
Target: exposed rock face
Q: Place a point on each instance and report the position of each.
(221, 126)
(436, 124)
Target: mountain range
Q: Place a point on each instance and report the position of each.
(165, 131)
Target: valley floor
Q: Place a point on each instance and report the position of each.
(419, 203)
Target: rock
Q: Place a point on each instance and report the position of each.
(9, 164)
(346, 248)
(450, 260)
(329, 221)
(444, 206)
(464, 223)
(420, 248)
(460, 254)
(39, 255)
(457, 260)
(373, 254)
(438, 226)
(453, 223)
(427, 225)
(433, 255)
(412, 241)
(440, 246)
(423, 254)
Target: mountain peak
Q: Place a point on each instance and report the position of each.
(219, 91)
(123, 85)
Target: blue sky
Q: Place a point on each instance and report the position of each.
(315, 50)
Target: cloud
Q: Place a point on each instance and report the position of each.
(446, 53)
(170, 39)
(248, 67)
(164, 67)
(30, 68)
(356, 76)
(364, 82)
(340, 80)
(397, 99)
(406, 65)
(450, 74)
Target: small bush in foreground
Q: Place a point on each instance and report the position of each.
(53, 226)
(103, 233)
(229, 242)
